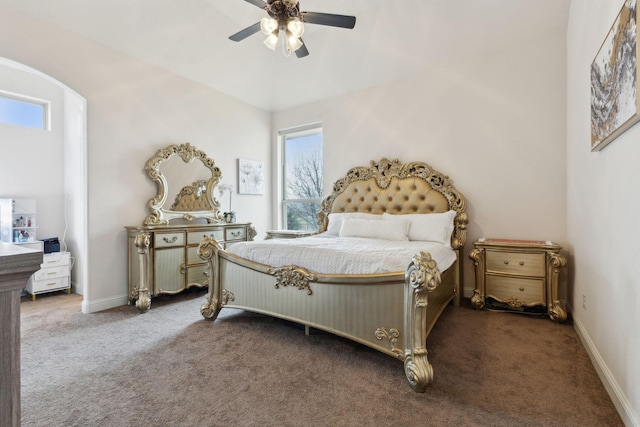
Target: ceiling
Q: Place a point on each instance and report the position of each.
(392, 40)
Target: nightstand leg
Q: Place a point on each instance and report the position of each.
(477, 300)
(478, 257)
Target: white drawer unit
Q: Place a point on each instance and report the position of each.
(54, 275)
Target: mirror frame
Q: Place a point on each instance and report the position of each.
(159, 214)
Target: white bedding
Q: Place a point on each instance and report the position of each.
(323, 254)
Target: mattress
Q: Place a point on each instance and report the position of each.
(324, 254)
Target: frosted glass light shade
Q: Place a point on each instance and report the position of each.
(296, 27)
(294, 43)
(268, 25)
(271, 41)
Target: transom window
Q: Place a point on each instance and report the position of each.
(24, 111)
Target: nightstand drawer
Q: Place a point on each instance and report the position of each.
(164, 240)
(516, 289)
(39, 286)
(51, 273)
(195, 237)
(55, 259)
(520, 263)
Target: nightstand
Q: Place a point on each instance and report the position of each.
(54, 275)
(288, 234)
(519, 275)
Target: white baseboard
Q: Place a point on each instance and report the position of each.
(616, 394)
(103, 304)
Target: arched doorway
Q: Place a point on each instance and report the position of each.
(72, 117)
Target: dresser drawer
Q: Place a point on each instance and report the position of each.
(235, 233)
(165, 240)
(195, 237)
(51, 273)
(54, 284)
(504, 288)
(55, 259)
(520, 263)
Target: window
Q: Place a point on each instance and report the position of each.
(24, 111)
(302, 182)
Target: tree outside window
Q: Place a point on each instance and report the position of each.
(303, 180)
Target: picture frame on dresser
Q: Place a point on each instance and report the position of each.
(615, 101)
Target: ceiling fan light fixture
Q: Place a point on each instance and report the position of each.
(296, 27)
(268, 25)
(272, 40)
(290, 3)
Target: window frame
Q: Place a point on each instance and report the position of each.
(281, 200)
(46, 109)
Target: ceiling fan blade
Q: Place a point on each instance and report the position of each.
(302, 50)
(342, 21)
(249, 31)
(258, 3)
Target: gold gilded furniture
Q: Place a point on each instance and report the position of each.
(520, 274)
(164, 260)
(162, 253)
(391, 312)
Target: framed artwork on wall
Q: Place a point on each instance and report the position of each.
(250, 177)
(615, 105)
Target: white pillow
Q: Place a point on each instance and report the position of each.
(335, 220)
(375, 229)
(434, 227)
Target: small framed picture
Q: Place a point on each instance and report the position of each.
(250, 177)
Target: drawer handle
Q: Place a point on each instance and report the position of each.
(521, 289)
(51, 272)
(52, 283)
(172, 240)
(506, 262)
(236, 233)
(521, 262)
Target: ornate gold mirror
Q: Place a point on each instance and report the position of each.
(186, 179)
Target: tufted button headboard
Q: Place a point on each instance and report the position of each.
(392, 187)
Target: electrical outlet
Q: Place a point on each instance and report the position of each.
(584, 302)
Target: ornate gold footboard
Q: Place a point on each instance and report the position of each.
(392, 313)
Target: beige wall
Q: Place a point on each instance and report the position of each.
(133, 110)
(603, 198)
(495, 125)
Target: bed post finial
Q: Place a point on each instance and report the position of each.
(421, 278)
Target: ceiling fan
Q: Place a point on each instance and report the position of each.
(286, 22)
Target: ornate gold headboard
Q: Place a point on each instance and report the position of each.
(389, 186)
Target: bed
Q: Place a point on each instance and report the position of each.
(391, 308)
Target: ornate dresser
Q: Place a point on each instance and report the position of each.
(163, 255)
